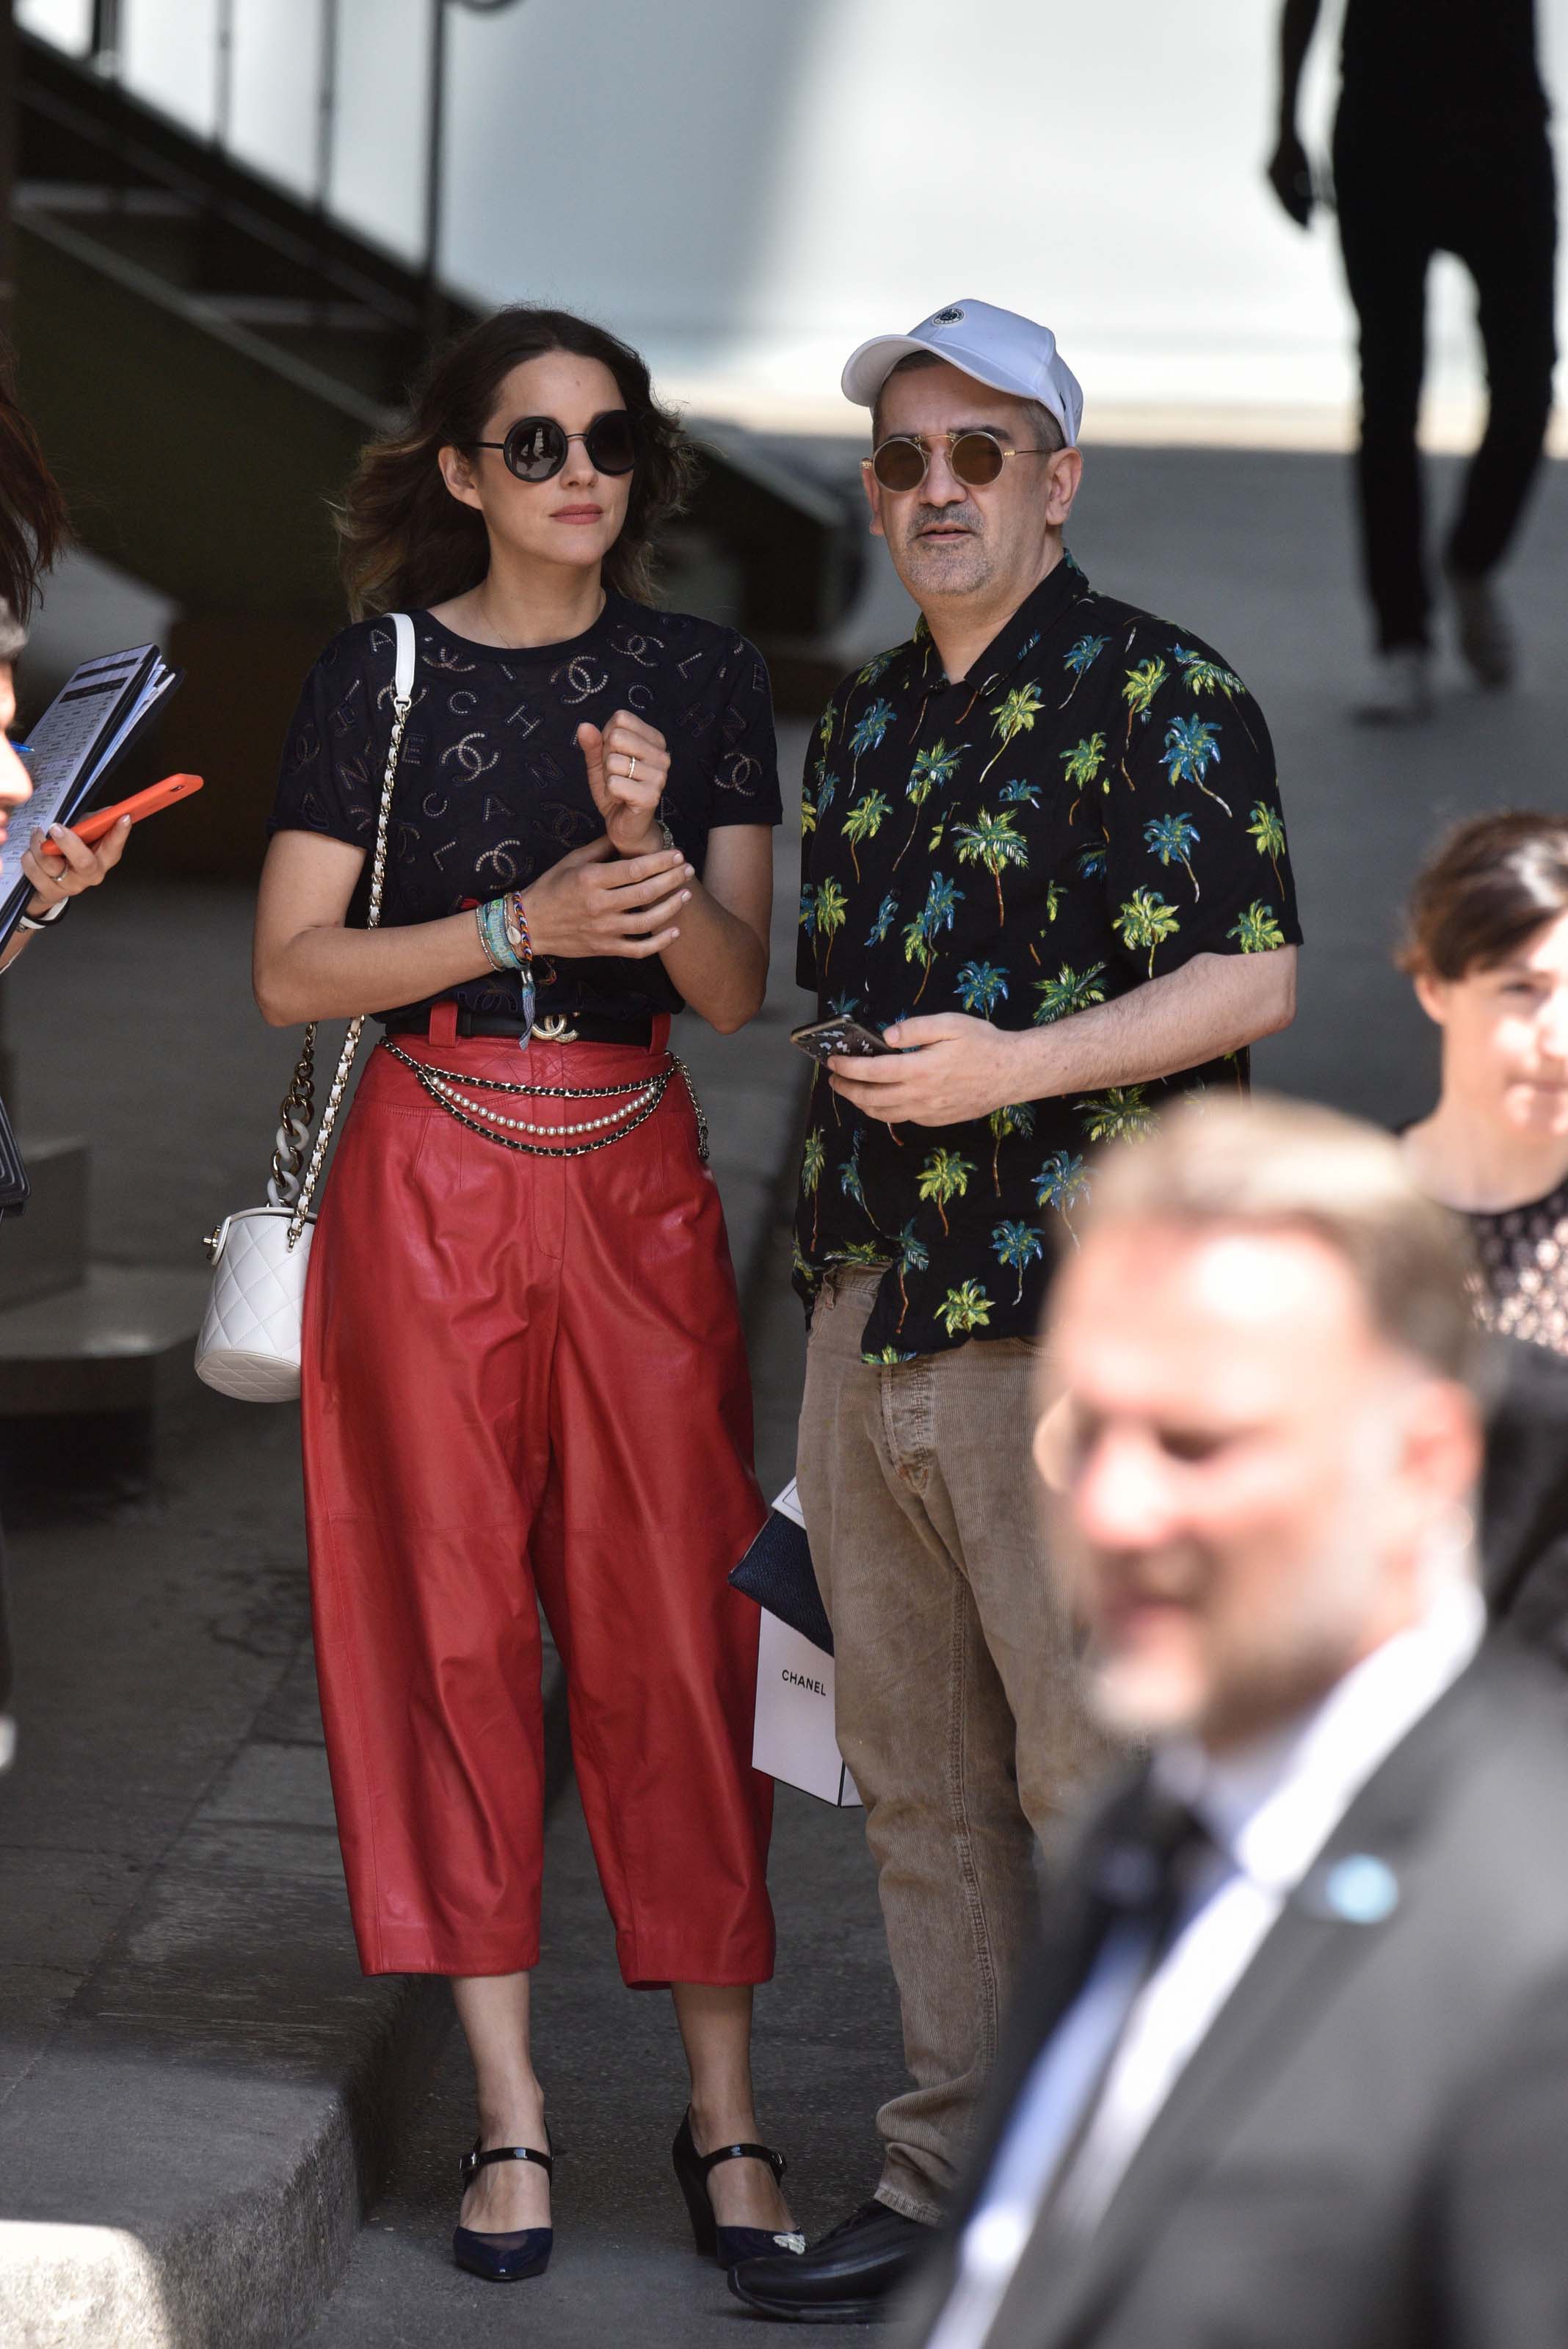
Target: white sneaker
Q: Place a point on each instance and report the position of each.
(1399, 690)
(1486, 639)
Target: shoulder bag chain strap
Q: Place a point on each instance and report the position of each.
(295, 1119)
(401, 705)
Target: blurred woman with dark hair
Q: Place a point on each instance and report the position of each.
(1487, 948)
(523, 1369)
(33, 531)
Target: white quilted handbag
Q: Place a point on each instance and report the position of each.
(250, 1340)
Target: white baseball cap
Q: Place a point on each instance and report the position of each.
(996, 346)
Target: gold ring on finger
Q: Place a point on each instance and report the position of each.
(631, 771)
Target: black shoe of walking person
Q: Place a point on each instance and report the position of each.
(1486, 639)
(845, 2279)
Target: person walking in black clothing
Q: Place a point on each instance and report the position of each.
(1440, 146)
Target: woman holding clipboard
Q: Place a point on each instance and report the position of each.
(523, 1370)
(33, 529)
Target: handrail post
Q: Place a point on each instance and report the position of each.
(326, 107)
(223, 78)
(434, 302)
(105, 38)
(9, 47)
(326, 142)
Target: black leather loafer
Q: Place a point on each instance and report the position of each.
(845, 2279)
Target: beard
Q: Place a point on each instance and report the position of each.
(954, 566)
(1227, 1690)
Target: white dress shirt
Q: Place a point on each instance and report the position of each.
(1270, 1809)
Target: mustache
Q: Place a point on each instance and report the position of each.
(968, 514)
(1174, 1573)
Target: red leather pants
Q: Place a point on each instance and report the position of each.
(526, 1375)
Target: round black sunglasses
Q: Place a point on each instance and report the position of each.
(536, 448)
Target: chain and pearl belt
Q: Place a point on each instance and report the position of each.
(638, 1101)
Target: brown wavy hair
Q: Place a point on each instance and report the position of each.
(33, 527)
(1490, 884)
(407, 543)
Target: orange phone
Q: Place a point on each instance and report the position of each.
(148, 803)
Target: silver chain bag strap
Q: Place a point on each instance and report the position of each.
(250, 1340)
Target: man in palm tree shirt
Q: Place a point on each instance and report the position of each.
(1045, 856)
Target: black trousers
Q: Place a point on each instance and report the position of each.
(1490, 200)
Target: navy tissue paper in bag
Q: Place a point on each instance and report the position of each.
(776, 1571)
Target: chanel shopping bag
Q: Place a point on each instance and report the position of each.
(793, 1737)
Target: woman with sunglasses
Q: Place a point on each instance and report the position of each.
(523, 1369)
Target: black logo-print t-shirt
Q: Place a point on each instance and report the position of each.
(492, 789)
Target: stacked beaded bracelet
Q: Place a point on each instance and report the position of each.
(490, 920)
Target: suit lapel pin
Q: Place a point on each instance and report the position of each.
(1359, 1889)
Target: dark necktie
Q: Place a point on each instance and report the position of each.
(1144, 1873)
(1142, 1867)
(1140, 1870)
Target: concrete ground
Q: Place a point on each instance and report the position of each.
(187, 2054)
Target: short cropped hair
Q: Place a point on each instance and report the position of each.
(1489, 884)
(1279, 1165)
(1041, 419)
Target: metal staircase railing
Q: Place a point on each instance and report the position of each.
(105, 54)
(205, 351)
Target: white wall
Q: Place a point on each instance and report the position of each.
(746, 187)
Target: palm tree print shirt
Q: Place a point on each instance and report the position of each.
(1094, 803)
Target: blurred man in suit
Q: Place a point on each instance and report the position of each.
(1293, 2066)
(1440, 145)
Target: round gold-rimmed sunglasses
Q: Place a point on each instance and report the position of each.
(976, 457)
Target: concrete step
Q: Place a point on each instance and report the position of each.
(45, 1249)
(121, 1340)
(222, 2087)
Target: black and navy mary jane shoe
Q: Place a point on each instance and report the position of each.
(509, 2257)
(726, 2245)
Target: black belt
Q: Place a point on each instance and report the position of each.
(574, 1027)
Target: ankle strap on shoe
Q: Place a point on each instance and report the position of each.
(775, 2161)
(472, 2163)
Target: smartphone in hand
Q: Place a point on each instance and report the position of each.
(827, 1038)
(96, 826)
